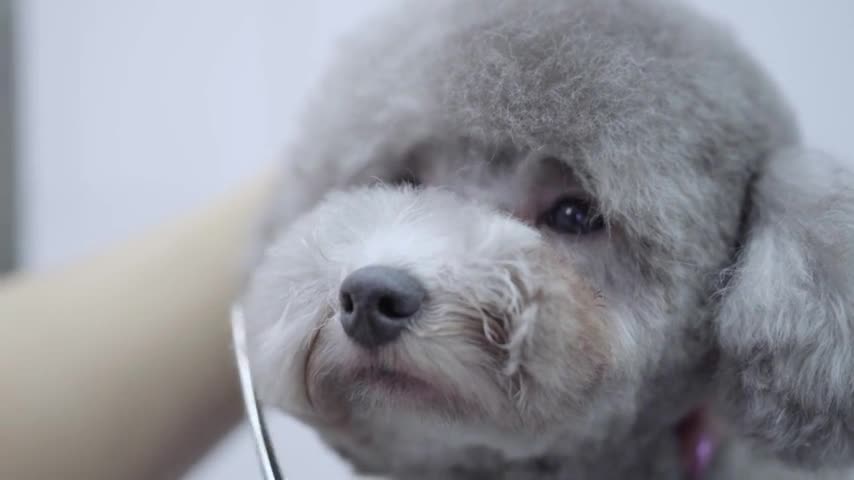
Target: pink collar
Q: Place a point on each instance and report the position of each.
(698, 444)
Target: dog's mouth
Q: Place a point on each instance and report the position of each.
(364, 378)
(392, 381)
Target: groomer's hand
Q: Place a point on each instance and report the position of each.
(121, 367)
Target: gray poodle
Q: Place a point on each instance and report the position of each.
(562, 239)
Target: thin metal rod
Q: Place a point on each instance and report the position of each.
(263, 445)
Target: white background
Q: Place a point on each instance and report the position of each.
(134, 111)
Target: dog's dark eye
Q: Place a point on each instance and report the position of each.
(573, 215)
(406, 178)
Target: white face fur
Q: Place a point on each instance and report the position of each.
(509, 349)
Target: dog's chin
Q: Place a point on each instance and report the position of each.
(372, 411)
(396, 387)
(362, 386)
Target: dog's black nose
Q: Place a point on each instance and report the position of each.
(377, 302)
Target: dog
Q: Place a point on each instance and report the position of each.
(558, 239)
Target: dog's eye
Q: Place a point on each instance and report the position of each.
(406, 178)
(573, 215)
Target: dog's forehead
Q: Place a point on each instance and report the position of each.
(626, 80)
(659, 115)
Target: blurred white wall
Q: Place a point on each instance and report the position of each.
(154, 105)
(135, 111)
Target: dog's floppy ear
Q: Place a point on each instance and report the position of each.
(786, 316)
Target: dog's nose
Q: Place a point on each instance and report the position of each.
(377, 302)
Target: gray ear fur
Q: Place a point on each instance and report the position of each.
(786, 318)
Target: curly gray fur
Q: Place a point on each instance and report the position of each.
(726, 275)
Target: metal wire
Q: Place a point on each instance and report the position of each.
(264, 448)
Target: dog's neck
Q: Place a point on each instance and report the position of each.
(684, 452)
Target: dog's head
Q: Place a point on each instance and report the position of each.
(503, 226)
